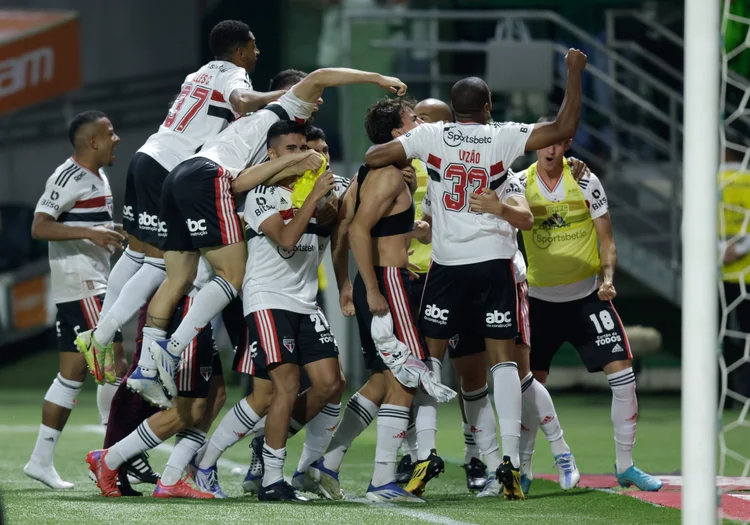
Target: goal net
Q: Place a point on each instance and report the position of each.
(734, 243)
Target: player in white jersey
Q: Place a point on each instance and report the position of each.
(75, 215)
(198, 206)
(209, 100)
(287, 331)
(471, 250)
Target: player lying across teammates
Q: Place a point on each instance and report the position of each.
(188, 260)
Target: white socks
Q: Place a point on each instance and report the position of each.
(624, 415)
(146, 361)
(189, 441)
(359, 413)
(410, 445)
(131, 298)
(318, 433)
(480, 420)
(273, 460)
(46, 442)
(392, 423)
(63, 392)
(508, 407)
(536, 399)
(239, 421)
(125, 268)
(471, 449)
(425, 410)
(104, 395)
(208, 303)
(140, 440)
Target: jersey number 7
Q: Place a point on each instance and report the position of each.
(199, 93)
(463, 182)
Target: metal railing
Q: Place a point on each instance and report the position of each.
(628, 141)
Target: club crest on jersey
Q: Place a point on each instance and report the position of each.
(206, 372)
(555, 220)
(289, 344)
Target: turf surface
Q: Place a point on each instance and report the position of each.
(584, 418)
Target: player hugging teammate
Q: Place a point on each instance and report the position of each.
(192, 259)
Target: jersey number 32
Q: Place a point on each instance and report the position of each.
(464, 181)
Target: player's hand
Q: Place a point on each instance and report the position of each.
(578, 168)
(607, 291)
(119, 228)
(323, 185)
(485, 202)
(575, 60)
(346, 301)
(377, 303)
(413, 269)
(310, 160)
(422, 232)
(392, 85)
(410, 177)
(328, 213)
(107, 238)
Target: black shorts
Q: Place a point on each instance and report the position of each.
(589, 324)
(74, 317)
(200, 360)
(140, 214)
(469, 341)
(394, 284)
(280, 336)
(198, 207)
(484, 292)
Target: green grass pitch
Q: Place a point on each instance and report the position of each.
(585, 420)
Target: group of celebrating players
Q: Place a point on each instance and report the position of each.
(227, 224)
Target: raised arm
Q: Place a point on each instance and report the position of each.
(565, 125)
(288, 235)
(311, 87)
(277, 169)
(607, 255)
(340, 250)
(381, 193)
(246, 100)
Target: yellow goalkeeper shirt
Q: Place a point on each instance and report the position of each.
(734, 207)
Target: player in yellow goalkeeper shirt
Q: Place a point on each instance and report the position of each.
(571, 291)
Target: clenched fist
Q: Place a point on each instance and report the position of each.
(575, 60)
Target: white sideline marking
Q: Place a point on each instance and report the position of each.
(100, 430)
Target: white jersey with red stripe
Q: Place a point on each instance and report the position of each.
(76, 196)
(199, 113)
(274, 277)
(340, 185)
(462, 158)
(243, 143)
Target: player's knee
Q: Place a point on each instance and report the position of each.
(286, 383)
(472, 382)
(63, 392)
(232, 275)
(328, 386)
(197, 409)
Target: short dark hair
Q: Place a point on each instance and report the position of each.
(315, 133)
(285, 127)
(384, 116)
(286, 79)
(80, 120)
(469, 95)
(227, 36)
